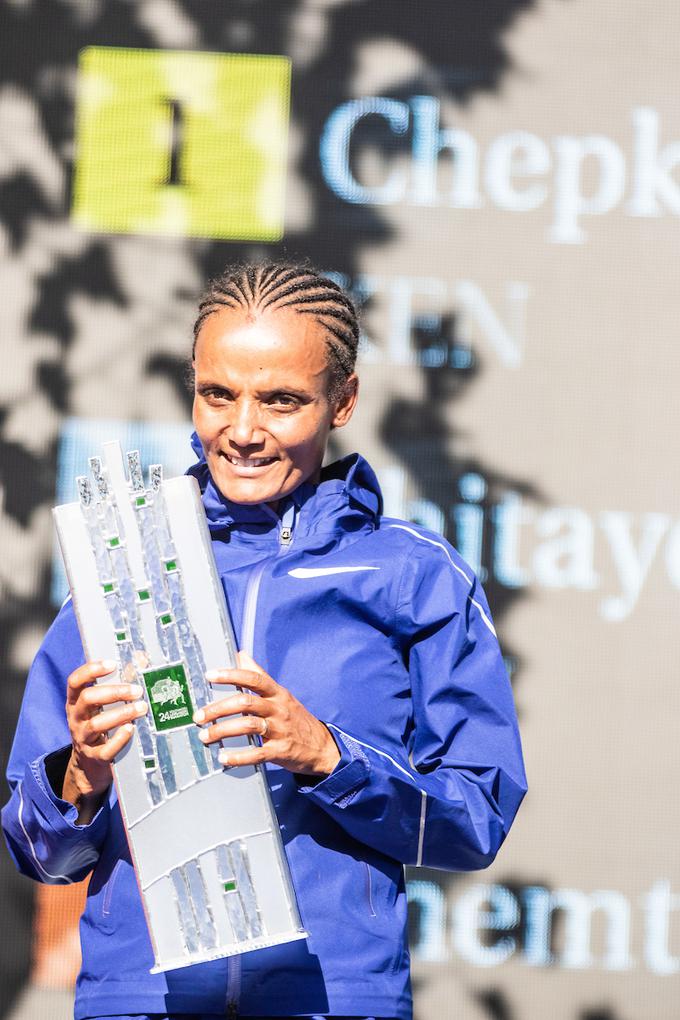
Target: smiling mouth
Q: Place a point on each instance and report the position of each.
(248, 462)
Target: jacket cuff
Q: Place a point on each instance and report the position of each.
(342, 785)
(59, 814)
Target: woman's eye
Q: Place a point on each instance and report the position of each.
(283, 401)
(217, 396)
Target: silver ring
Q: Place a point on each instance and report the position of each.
(265, 731)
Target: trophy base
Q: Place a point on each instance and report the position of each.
(222, 951)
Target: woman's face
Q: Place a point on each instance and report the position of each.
(261, 405)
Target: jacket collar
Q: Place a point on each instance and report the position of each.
(347, 485)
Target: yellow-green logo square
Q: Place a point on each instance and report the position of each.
(177, 143)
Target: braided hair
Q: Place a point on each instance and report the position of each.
(272, 285)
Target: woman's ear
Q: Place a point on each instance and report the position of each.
(345, 404)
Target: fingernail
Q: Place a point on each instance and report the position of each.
(212, 674)
(204, 736)
(108, 665)
(128, 727)
(136, 691)
(141, 707)
(223, 758)
(199, 716)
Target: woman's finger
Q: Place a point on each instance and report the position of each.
(245, 725)
(85, 675)
(235, 704)
(108, 694)
(112, 717)
(107, 751)
(259, 682)
(253, 755)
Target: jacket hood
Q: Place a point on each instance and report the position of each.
(348, 484)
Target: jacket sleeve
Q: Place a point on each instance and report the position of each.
(448, 799)
(40, 828)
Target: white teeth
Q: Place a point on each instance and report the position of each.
(248, 461)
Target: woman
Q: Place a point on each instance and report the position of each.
(378, 687)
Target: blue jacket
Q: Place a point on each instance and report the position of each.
(381, 630)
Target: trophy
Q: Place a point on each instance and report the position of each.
(204, 840)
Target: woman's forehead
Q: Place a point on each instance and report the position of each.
(285, 341)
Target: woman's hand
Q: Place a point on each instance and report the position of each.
(88, 773)
(291, 736)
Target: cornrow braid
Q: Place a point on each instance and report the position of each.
(270, 285)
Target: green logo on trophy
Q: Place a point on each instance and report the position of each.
(169, 697)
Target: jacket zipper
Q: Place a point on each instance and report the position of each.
(253, 589)
(248, 645)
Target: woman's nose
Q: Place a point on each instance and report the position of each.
(245, 425)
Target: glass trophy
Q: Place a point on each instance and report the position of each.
(204, 840)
